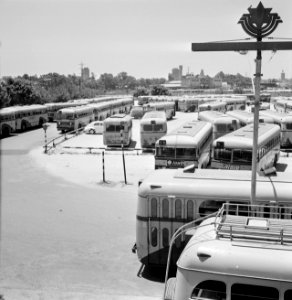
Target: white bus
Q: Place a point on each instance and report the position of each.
(245, 117)
(29, 116)
(153, 126)
(54, 107)
(7, 121)
(283, 104)
(190, 144)
(167, 107)
(73, 118)
(235, 103)
(168, 199)
(236, 258)
(187, 104)
(222, 123)
(117, 130)
(234, 150)
(216, 106)
(285, 123)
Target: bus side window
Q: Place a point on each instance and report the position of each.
(190, 210)
(210, 289)
(154, 236)
(153, 207)
(165, 208)
(178, 209)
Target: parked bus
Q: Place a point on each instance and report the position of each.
(188, 104)
(235, 103)
(167, 107)
(7, 121)
(190, 144)
(117, 130)
(236, 258)
(245, 117)
(54, 107)
(69, 119)
(103, 110)
(285, 123)
(283, 104)
(168, 199)
(215, 106)
(221, 123)
(153, 126)
(29, 116)
(234, 150)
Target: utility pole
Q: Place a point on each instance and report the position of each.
(259, 23)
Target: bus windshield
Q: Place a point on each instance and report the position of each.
(153, 127)
(222, 154)
(114, 128)
(242, 156)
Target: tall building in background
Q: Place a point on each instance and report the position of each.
(176, 74)
(85, 73)
(283, 75)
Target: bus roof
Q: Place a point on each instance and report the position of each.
(188, 135)
(242, 138)
(118, 118)
(154, 114)
(240, 257)
(221, 185)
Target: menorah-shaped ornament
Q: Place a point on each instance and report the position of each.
(260, 22)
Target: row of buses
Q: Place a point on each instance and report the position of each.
(21, 118)
(200, 103)
(73, 118)
(192, 145)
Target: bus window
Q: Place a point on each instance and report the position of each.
(242, 155)
(209, 206)
(147, 127)
(210, 289)
(157, 127)
(164, 151)
(222, 154)
(165, 208)
(154, 236)
(178, 209)
(165, 237)
(288, 295)
(154, 207)
(190, 209)
(241, 291)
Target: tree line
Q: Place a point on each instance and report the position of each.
(53, 87)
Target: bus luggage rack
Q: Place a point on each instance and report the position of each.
(256, 228)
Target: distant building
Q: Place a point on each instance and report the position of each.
(85, 73)
(283, 76)
(176, 74)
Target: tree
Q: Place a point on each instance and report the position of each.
(159, 90)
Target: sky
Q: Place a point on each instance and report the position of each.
(145, 38)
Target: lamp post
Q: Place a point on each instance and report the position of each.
(45, 127)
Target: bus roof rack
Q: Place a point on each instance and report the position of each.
(254, 226)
